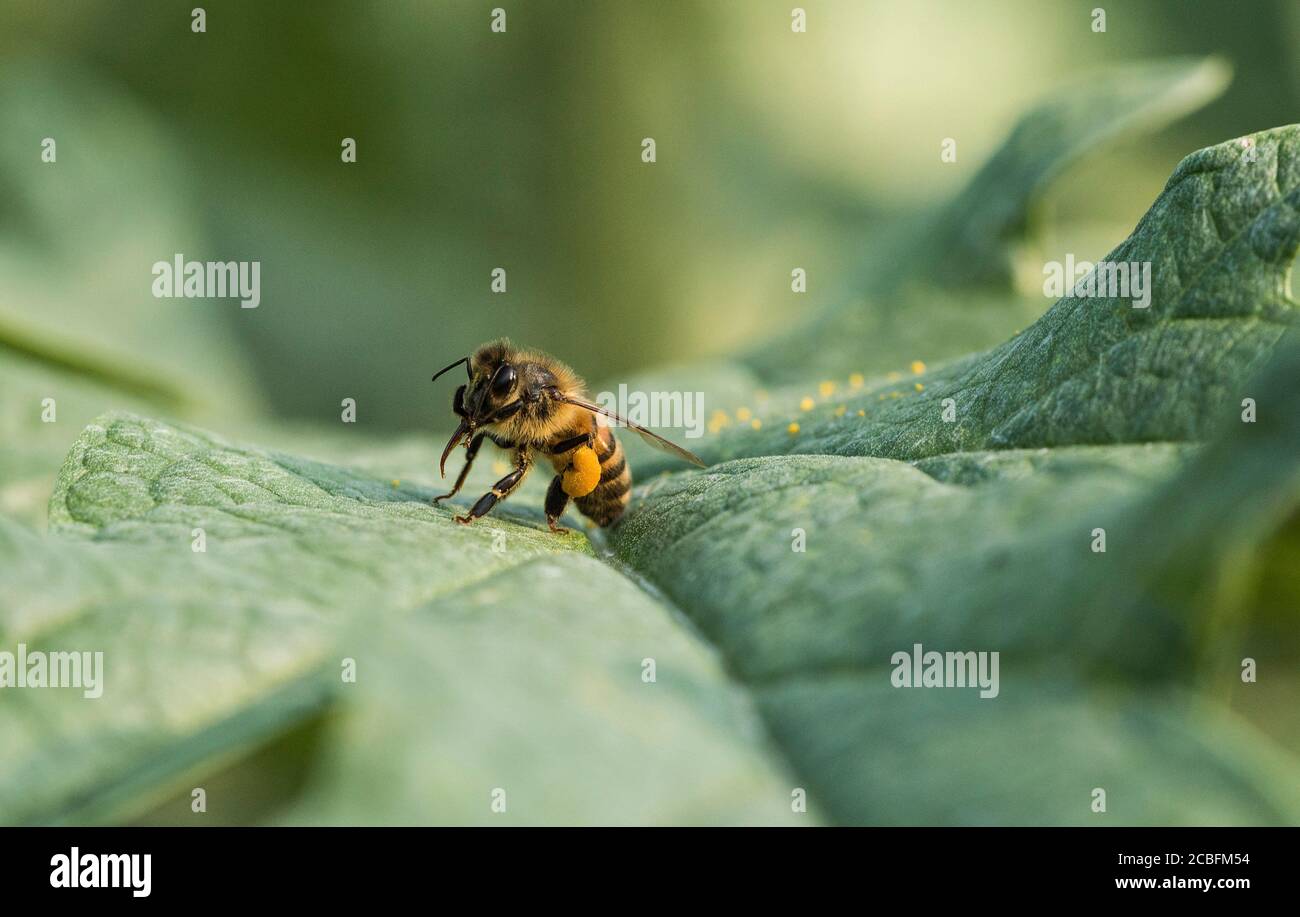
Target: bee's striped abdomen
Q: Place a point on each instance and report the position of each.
(607, 502)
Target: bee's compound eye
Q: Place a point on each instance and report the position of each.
(503, 381)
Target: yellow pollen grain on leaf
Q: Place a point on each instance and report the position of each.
(919, 387)
(743, 414)
(839, 411)
(895, 394)
(793, 429)
(396, 482)
(862, 413)
(806, 404)
(856, 380)
(893, 376)
(756, 424)
(917, 367)
(826, 389)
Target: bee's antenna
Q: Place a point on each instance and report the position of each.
(452, 366)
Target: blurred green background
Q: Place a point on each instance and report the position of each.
(522, 150)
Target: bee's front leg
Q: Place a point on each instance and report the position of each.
(470, 453)
(500, 490)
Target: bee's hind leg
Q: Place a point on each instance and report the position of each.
(556, 501)
(500, 490)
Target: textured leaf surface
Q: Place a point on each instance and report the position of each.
(535, 647)
(1100, 653)
(31, 449)
(976, 533)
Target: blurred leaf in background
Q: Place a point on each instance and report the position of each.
(522, 150)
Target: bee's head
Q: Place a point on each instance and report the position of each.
(495, 390)
(493, 382)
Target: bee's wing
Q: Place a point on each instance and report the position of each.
(652, 439)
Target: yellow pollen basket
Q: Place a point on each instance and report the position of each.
(583, 473)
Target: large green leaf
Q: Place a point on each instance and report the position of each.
(975, 533)
(1115, 666)
(482, 652)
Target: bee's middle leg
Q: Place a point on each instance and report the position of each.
(556, 501)
(500, 490)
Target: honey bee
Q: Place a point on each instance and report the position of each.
(530, 403)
